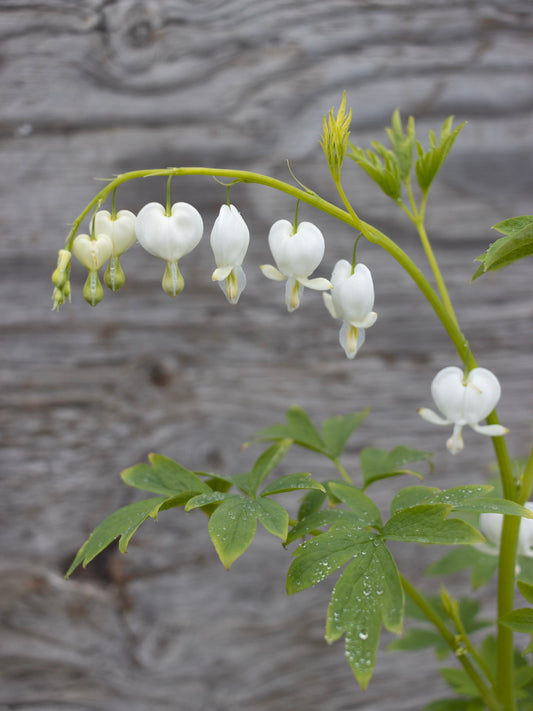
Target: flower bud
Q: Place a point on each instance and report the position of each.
(173, 283)
(114, 277)
(119, 228)
(92, 253)
(93, 291)
(61, 272)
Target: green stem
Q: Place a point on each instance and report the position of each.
(431, 614)
(342, 470)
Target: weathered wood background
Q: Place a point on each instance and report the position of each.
(91, 88)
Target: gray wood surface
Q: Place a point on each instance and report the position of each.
(92, 88)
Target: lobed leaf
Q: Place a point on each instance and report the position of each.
(517, 243)
(292, 482)
(121, 524)
(430, 162)
(379, 464)
(526, 589)
(427, 523)
(482, 565)
(232, 528)
(366, 510)
(317, 519)
(337, 430)
(273, 517)
(520, 620)
(319, 557)
(164, 476)
(368, 593)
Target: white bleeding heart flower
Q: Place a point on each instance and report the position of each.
(169, 237)
(120, 228)
(122, 231)
(92, 252)
(464, 401)
(230, 238)
(297, 254)
(491, 525)
(352, 300)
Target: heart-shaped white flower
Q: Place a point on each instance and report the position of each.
(92, 252)
(464, 401)
(230, 238)
(170, 237)
(121, 229)
(297, 254)
(352, 300)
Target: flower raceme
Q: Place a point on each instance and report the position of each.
(352, 300)
(170, 237)
(230, 238)
(297, 253)
(464, 400)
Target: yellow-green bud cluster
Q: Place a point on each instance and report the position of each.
(60, 279)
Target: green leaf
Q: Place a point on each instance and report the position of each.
(516, 244)
(214, 497)
(378, 464)
(417, 638)
(311, 502)
(368, 593)
(232, 528)
(427, 523)
(164, 476)
(273, 517)
(526, 589)
(459, 495)
(298, 428)
(460, 681)
(122, 523)
(494, 505)
(429, 162)
(337, 430)
(321, 556)
(317, 519)
(366, 510)
(412, 496)
(292, 482)
(483, 565)
(520, 620)
(402, 143)
(267, 462)
(382, 166)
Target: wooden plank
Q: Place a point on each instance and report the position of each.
(93, 88)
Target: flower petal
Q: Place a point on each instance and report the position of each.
(221, 273)
(482, 393)
(455, 443)
(292, 294)
(318, 284)
(230, 237)
(431, 416)
(272, 273)
(296, 254)
(490, 430)
(448, 392)
(121, 229)
(234, 284)
(169, 237)
(351, 339)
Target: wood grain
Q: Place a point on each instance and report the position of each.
(93, 88)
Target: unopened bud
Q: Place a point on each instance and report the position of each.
(114, 277)
(61, 272)
(173, 282)
(58, 297)
(93, 291)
